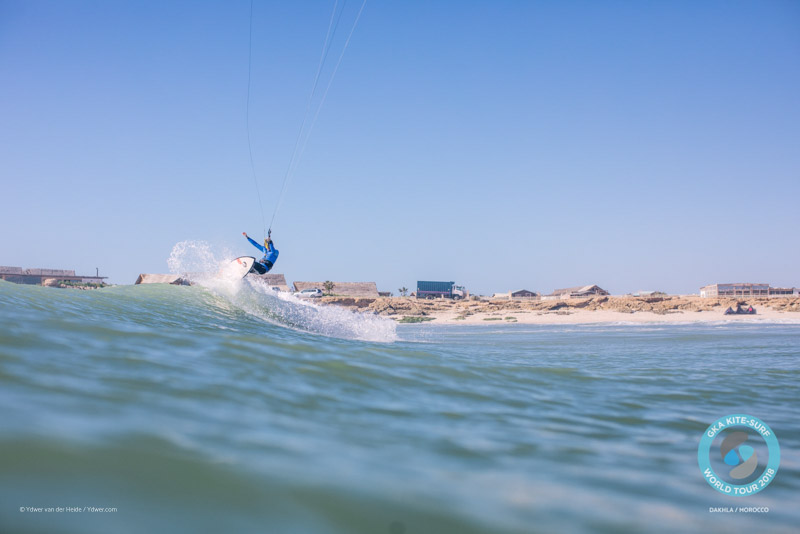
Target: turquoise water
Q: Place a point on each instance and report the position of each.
(229, 409)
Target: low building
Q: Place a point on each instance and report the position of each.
(578, 292)
(344, 289)
(41, 277)
(745, 290)
(649, 294)
(520, 294)
(734, 290)
(174, 279)
(272, 280)
(783, 291)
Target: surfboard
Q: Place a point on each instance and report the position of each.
(238, 268)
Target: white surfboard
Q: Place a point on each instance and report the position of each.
(238, 268)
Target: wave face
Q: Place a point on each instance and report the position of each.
(198, 262)
(226, 408)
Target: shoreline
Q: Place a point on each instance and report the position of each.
(595, 310)
(612, 317)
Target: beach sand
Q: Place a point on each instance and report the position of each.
(609, 317)
(596, 310)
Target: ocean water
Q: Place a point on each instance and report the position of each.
(229, 408)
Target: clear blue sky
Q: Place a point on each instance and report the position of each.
(503, 145)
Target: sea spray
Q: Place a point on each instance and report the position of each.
(200, 263)
(259, 299)
(195, 260)
(188, 414)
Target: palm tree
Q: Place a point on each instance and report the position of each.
(328, 285)
(403, 291)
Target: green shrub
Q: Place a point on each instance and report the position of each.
(415, 319)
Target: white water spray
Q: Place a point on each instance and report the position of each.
(198, 262)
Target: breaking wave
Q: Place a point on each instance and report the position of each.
(199, 263)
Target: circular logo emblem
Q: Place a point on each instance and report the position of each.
(738, 455)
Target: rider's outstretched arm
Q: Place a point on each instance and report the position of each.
(255, 244)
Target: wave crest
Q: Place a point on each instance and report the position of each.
(198, 262)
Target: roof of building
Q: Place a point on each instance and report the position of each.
(272, 279)
(158, 279)
(37, 271)
(577, 290)
(347, 289)
(747, 284)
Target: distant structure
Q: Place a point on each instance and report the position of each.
(577, 292)
(345, 289)
(272, 280)
(41, 277)
(745, 290)
(649, 294)
(520, 294)
(173, 279)
(784, 292)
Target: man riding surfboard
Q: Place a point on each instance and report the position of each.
(270, 254)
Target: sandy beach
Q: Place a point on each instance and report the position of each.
(605, 316)
(622, 309)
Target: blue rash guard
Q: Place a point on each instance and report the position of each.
(270, 254)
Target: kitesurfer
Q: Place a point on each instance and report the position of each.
(270, 254)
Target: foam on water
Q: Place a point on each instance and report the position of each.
(198, 262)
(188, 412)
(196, 259)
